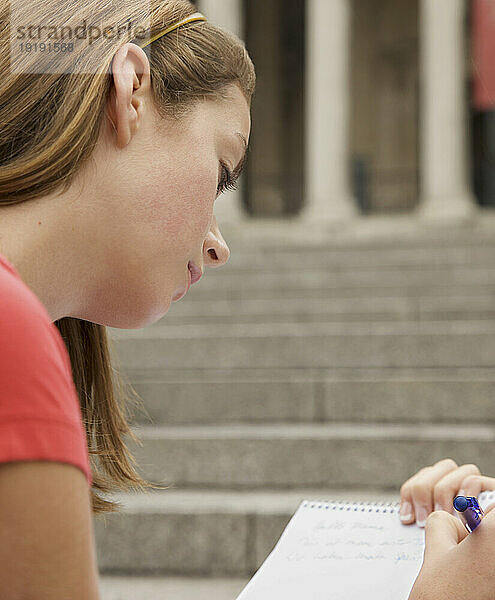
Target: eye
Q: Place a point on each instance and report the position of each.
(227, 182)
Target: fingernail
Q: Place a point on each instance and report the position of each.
(405, 512)
(461, 493)
(421, 515)
(438, 506)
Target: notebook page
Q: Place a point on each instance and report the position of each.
(338, 550)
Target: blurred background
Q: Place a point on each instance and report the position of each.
(350, 339)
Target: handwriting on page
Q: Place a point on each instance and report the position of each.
(355, 540)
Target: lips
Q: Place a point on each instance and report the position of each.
(195, 271)
(194, 274)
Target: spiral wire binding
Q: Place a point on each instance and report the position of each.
(343, 505)
(377, 507)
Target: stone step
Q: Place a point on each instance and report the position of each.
(165, 588)
(194, 396)
(202, 532)
(212, 293)
(295, 345)
(307, 317)
(265, 310)
(374, 232)
(309, 277)
(344, 258)
(305, 455)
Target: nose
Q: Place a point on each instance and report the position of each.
(215, 250)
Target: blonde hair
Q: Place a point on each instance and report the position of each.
(50, 123)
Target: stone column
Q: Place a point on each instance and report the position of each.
(229, 15)
(445, 191)
(328, 191)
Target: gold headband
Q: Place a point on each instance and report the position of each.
(195, 17)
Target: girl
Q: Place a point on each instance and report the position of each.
(108, 177)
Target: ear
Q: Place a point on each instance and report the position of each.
(131, 80)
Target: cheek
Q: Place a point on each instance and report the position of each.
(180, 205)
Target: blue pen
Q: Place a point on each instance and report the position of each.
(469, 510)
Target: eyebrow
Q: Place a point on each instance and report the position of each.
(238, 170)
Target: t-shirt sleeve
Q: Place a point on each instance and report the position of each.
(40, 415)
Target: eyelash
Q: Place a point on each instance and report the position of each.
(227, 182)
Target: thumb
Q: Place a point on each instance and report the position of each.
(443, 531)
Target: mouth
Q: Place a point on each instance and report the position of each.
(194, 274)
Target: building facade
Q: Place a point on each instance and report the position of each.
(362, 106)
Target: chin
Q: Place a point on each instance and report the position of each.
(129, 307)
(135, 321)
(125, 320)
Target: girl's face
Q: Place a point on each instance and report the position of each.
(154, 211)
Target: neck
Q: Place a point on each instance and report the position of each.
(33, 237)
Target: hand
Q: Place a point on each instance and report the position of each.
(435, 487)
(456, 564)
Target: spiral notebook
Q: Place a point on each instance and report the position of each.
(342, 551)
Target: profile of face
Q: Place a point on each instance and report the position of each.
(152, 184)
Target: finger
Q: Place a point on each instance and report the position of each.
(448, 487)
(409, 489)
(406, 511)
(420, 489)
(442, 533)
(473, 485)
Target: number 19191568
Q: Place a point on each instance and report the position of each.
(46, 47)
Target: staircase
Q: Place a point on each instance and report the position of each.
(333, 369)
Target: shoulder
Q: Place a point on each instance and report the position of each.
(26, 331)
(34, 363)
(40, 414)
(18, 303)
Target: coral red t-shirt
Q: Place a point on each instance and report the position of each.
(40, 414)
